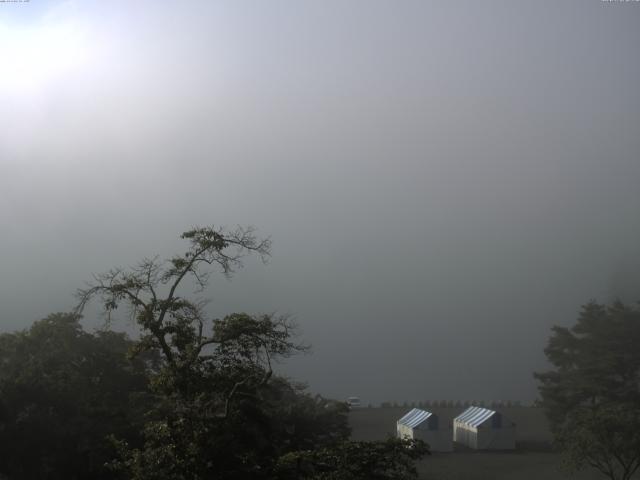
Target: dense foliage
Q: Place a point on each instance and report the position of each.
(213, 407)
(62, 392)
(393, 459)
(592, 397)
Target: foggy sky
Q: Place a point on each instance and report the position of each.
(442, 181)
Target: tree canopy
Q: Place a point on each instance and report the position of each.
(392, 459)
(220, 409)
(62, 392)
(592, 396)
(190, 398)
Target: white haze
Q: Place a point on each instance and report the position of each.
(443, 181)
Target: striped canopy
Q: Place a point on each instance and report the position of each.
(474, 416)
(414, 418)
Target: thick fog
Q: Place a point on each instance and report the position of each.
(442, 181)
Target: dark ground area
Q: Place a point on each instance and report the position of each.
(534, 457)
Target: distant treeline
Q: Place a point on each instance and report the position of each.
(452, 404)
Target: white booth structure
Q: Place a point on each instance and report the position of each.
(483, 429)
(422, 425)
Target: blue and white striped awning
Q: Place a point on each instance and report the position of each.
(474, 416)
(414, 418)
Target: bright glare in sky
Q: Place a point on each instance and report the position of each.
(31, 57)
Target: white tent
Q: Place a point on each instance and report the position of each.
(422, 425)
(484, 429)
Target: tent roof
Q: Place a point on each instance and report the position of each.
(414, 418)
(474, 416)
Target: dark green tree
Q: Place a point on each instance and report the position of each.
(214, 382)
(220, 410)
(302, 421)
(592, 396)
(393, 459)
(63, 391)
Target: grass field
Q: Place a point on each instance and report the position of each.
(533, 458)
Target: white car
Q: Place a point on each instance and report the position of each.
(353, 402)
